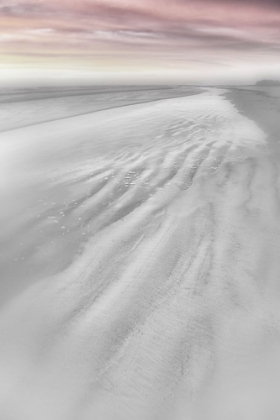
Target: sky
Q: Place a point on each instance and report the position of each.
(158, 41)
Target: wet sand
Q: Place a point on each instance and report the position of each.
(141, 262)
(25, 107)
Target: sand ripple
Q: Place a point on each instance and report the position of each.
(154, 233)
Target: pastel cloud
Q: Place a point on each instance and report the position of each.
(141, 33)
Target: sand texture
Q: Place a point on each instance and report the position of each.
(140, 252)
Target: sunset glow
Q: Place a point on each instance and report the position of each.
(201, 40)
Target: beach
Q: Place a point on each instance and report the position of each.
(140, 257)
